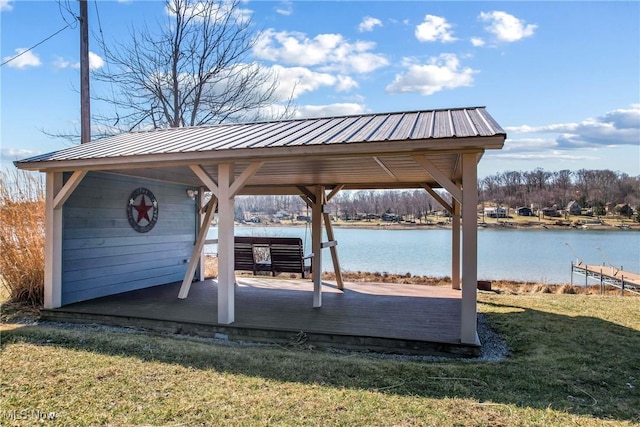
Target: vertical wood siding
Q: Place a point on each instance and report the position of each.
(102, 254)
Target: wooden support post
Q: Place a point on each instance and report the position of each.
(201, 223)
(455, 245)
(53, 243)
(571, 273)
(468, 317)
(334, 250)
(197, 250)
(316, 245)
(226, 273)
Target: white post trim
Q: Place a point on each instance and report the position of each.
(53, 242)
(455, 246)
(226, 272)
(468, 315)
(316, 245)
(440, 178)
(201, 223)
(197, 250)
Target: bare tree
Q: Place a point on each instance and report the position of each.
(193, 70)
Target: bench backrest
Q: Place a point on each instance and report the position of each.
(287, 256)
(244, 258)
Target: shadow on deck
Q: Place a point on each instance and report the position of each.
(381, 317)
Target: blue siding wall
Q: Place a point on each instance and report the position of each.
(103, 255)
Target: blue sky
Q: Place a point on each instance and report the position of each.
(563, 78)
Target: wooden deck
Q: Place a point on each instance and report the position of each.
(611, 276)
(391, 318)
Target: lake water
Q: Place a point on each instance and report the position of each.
(514, 254)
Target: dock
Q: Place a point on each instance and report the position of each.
(608, 276)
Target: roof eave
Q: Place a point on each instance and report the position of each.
(479, 143)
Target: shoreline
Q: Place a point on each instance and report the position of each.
(505, 225)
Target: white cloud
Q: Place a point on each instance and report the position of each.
(368, 24)
(95, 61)
(506, 27)
(5, 5)
(26, 59)
(330, 110)
(442, 72)
(553, 155)
(11, 154)
(60, 63)
(434, 28)
(285, 8)
(295, 81)
(614, 128)
(199, 9)
(330, 52)
(477, 41)
(553, 128)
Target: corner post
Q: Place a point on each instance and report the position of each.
(53, 243)
(316, 245)
(226, 273)
(468, 323)
(455, 245)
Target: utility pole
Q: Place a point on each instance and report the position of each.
(85, 101)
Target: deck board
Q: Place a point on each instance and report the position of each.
(376, 316)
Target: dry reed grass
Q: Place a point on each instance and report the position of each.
(22, 221)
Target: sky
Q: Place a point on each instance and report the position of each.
(562, 78)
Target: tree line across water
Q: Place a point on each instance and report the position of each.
(591, 189)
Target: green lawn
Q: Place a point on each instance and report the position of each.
(575, 360)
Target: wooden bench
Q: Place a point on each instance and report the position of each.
(285, 255)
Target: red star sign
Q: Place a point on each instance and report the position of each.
(143, 210)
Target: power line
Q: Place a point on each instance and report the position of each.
(37, 44)
(106, 59)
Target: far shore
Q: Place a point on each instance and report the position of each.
(506, 223)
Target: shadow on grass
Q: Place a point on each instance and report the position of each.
(581, 365)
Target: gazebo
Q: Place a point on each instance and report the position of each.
(118, 217)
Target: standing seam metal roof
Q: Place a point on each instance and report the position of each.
(363, 128)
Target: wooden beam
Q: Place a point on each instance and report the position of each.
(197, 250)
(440, 178)
(468, 315)
(455, 246)
(332, 244)
(334, 191)
(329, 243)
(205, 178)
(306, 200)
(53, 243)
(226, 272)
(68, 188)
(201, 223)
(246, 174)
(316, 246)
(384, 167)
(438, 198)
(310, 195)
